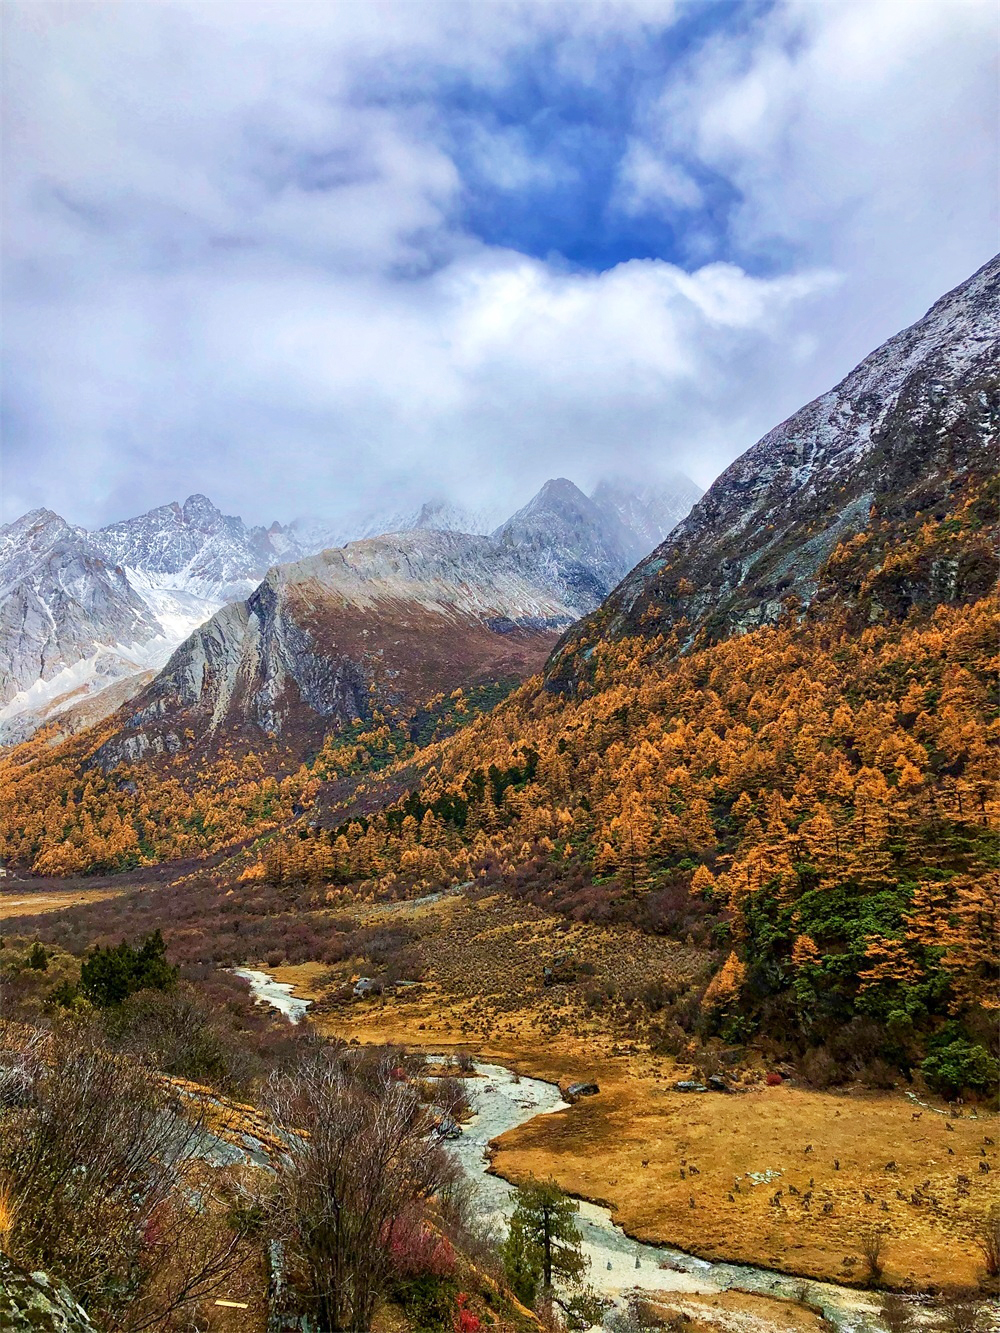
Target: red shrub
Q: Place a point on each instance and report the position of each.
(774, 1080)
(417, 1251)
(465, 1321)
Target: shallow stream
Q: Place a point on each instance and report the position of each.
(501, 1100)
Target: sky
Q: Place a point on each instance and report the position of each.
(310, 259)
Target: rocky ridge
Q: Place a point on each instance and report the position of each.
(391, 620)
(905, 430)
(87, 616)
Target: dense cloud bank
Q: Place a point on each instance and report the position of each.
(290, 256)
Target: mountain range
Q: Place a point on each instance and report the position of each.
(88, 618)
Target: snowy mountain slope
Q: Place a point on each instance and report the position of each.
(439, 514)
(393, 619)
(899, 435)
(60, 601)
(193, 548)
(80, 612)
(649, 511)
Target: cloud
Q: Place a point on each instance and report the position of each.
(859, 136)
(648, 179)
(239, 254)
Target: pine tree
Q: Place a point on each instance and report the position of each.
(544, 1218)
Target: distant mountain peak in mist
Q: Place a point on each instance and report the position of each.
(84, 611)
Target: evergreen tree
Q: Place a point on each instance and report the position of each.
(548, 1239)
(521, 1262)
(111, 975)
(38, 958)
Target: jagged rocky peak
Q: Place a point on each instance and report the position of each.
(901, 435)
(191, 545)
(31, 536)
(584, 549)
(60, 600)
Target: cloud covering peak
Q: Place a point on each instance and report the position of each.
(293, 255)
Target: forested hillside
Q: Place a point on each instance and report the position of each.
(813, 800)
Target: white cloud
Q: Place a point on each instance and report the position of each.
(859, 135)
(648, 179)
(234, 266)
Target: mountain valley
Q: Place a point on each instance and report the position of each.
(716, 833)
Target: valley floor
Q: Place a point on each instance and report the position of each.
(781, 1177)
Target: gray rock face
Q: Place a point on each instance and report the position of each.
(61, 599)
(87, 611)
(34, 1303)
(576, 546)
(901, 432)
(404, 614)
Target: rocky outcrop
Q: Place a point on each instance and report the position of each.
(914, 423)
(392, 620)
(34, 1303)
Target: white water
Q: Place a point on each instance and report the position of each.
(278, 994)
(500, 1101)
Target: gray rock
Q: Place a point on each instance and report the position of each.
(35, 1303)
(582, 1090)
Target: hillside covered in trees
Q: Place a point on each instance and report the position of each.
(805, 789)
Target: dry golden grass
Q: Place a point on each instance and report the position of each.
(746, 1311)
(25, 902)
(633, 1146)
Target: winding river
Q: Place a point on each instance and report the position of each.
(618, 1266)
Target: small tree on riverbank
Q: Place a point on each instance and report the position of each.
(544, 1241)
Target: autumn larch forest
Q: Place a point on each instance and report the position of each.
(520, 884)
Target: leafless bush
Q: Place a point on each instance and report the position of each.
(19, 1069)
(360, 1158)
(93, 1166)
(897, 1313)
(456, 1204)
(987, 1240)
(451, 1096)
(872, 1242)
(962, 1312)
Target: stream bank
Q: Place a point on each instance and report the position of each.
(501, 1100)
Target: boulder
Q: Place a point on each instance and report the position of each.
(582, 1090)
(689, 1085)
(36, 1303)
(448, 1128)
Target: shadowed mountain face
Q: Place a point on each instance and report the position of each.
(911, 426)
(648, 512)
